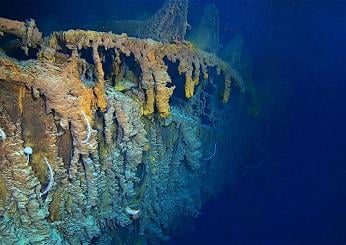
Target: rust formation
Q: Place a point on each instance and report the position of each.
(110, 136)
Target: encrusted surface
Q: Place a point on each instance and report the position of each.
(127, 152)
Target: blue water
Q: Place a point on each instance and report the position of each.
(298, 194)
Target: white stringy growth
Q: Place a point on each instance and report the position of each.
(88, 128)
(2, 134)
(212, 155)
(50, 178)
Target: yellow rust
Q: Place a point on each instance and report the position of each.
(149, 105)
(87, 103)
(119, 87)
(3, 192)
(190, 84)
(163, 93)
(99, 89)
(151, 56)
(21, 95)
(58, 120)
(54, 206)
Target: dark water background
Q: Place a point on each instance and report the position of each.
(298, 195)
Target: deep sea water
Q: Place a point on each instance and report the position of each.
(297, 194)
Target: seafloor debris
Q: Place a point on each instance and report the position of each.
(117, 140)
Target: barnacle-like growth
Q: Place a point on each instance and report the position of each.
(115, 132)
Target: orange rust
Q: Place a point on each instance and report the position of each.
(99, 89)
(151, 56)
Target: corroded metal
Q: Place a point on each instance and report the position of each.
(113, 143)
